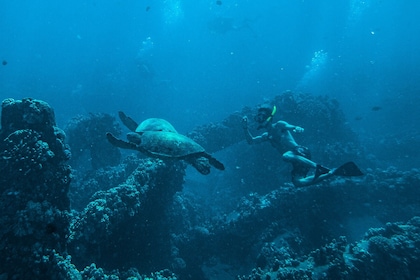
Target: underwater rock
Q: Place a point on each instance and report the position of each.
(136, 227)
(35, 207)
(126, 226)
(34, 181)
(93, 272)
(283, 233)
(85, 184)
(26, 113)
(384, 253)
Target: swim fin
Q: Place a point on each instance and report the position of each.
(320, 170)
(349, 169)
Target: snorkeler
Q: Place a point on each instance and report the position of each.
(279, 134)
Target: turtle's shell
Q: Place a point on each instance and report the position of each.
(155, 124)
(168, 144)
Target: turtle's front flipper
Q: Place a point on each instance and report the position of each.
(127, 121)
(120, 143)
(217, 164)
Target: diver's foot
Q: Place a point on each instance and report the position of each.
(320, 170)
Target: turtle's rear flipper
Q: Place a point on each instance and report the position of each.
(127, 121)
(120, 143)
(348, 169)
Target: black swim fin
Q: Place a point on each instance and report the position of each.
(320, 170)
(349, 169)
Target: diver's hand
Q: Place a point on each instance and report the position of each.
(245, 122)
(298, 129)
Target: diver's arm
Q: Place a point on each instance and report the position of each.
(248, 136)
(286, 126)
(257, 139)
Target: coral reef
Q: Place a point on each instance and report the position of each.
(384, 253)
(134, 219)
(86, 184)
(310, 233)
(34, 181)
(126, 225)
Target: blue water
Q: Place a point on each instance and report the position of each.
(195, 62)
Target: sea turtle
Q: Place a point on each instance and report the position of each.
(158, 138)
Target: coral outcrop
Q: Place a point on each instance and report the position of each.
(34, 181)
(127, 226)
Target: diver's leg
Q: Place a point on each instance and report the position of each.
(310, 180)
(293, 158)
(296, 159)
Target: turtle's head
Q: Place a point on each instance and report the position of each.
(265, 115)
(134, 137)
(201, 164)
